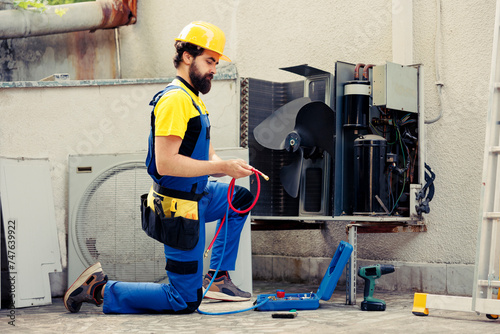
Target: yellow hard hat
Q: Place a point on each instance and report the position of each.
(206, 35)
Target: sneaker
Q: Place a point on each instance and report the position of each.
(87, 288)
(223, 289)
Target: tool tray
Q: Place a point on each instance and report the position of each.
(310, 301)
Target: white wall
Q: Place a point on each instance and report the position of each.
(265, 35)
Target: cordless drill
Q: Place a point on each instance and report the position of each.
(370, 274)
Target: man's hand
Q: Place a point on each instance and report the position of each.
(237, 168)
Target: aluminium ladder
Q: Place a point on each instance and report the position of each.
(486, 276)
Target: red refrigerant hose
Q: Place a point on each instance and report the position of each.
(229, 200)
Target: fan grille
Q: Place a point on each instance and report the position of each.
(108, 226)
(263, 98)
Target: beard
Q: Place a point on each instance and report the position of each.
(201, 83)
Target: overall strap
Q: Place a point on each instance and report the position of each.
(157, 98)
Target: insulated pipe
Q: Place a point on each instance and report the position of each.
(101, 14)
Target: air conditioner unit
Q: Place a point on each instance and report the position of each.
(105, 221)
(344, 147)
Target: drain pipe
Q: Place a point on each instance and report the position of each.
(402, 32)
(99, 14)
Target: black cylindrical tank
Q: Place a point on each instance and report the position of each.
(369, 175)
(356, 103)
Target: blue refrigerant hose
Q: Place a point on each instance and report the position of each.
(230, 190)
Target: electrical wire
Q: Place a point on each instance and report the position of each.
(389, 184)
(381, 110)
(399, 197)
(404, 163)
(395, 140)
(412, 166)
(407, 120)
(403, 146)
(375, 129)
(401, 143)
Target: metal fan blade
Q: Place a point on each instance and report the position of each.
(290, 174)
(315, 124)
(271, 133)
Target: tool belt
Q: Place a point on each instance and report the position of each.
(171, 216)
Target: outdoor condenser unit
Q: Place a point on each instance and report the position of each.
(346, 146)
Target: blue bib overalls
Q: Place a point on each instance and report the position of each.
(184, 254)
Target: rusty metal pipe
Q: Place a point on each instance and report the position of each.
(6, 4)
(101, 14)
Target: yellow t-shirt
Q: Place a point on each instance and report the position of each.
(174, 111)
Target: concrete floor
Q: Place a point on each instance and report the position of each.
(332, 316)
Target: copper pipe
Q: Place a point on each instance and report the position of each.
(356, 70)
(365, 71)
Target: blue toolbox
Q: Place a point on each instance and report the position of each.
(281, 301)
